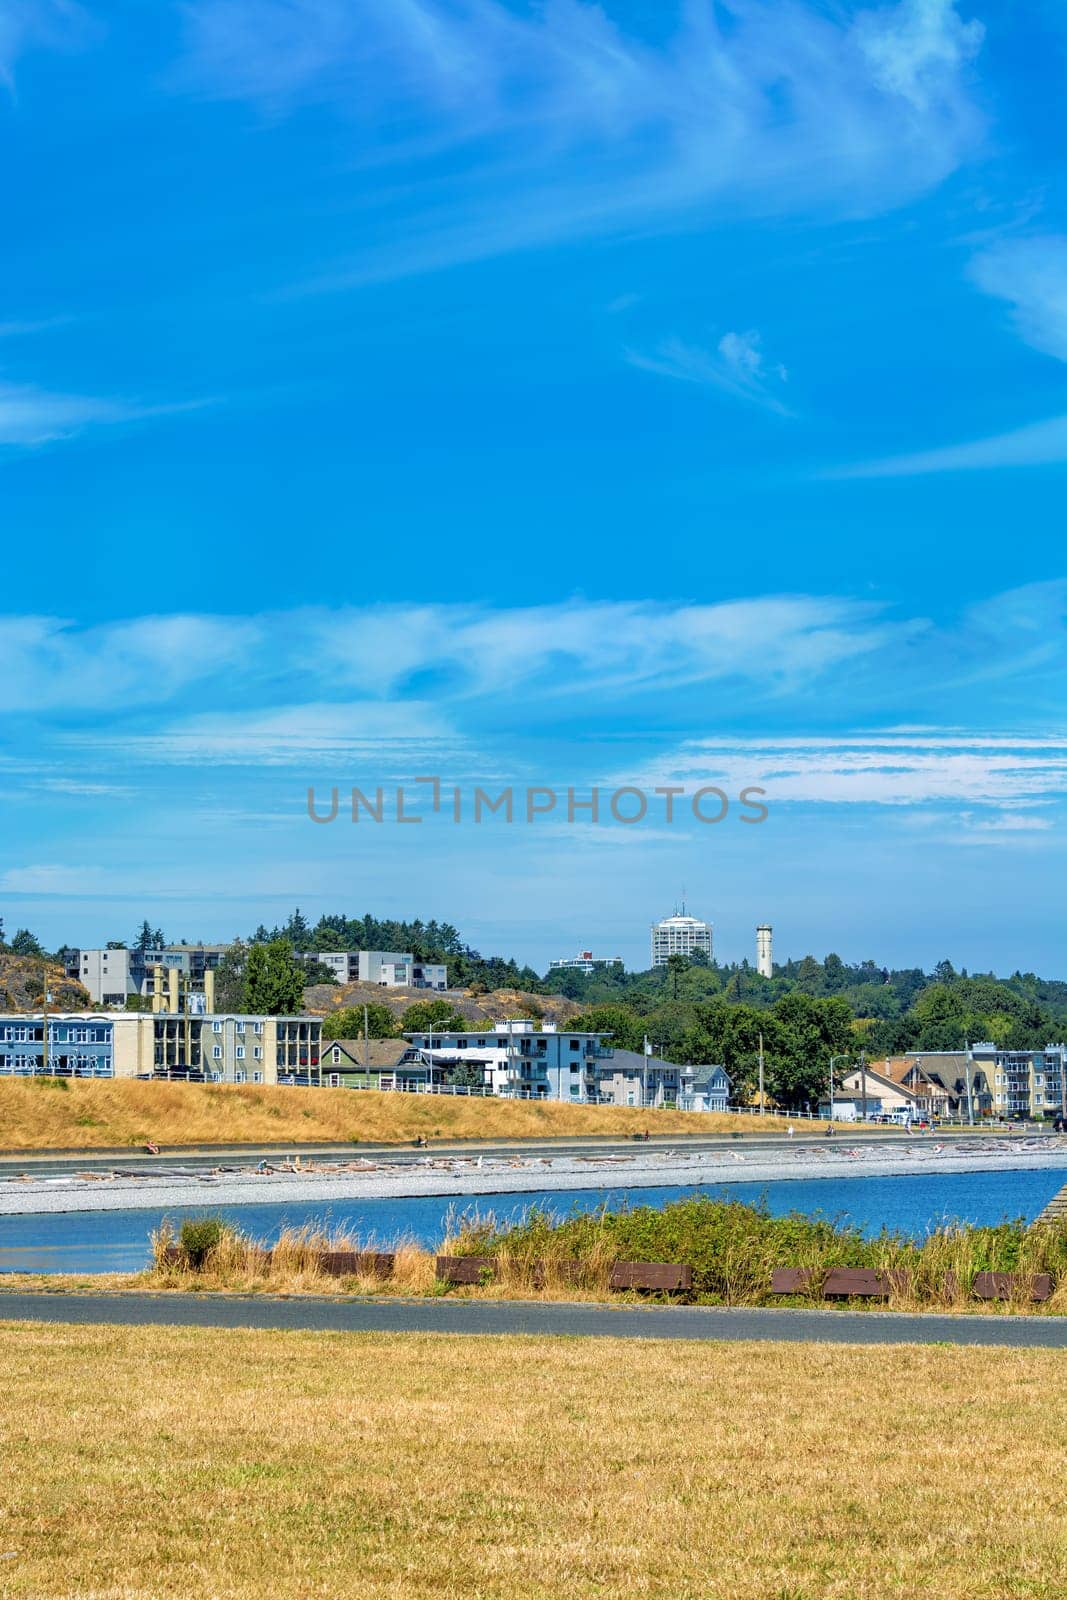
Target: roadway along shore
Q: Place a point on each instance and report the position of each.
(540, 1319)
(71, 1187)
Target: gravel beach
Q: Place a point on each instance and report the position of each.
(328, 1180)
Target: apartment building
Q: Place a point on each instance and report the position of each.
(513, 1059)
(394, 969)
(114, 976)
(679, 936)
(126, 1044)
(585, 961)
(1025, 1083)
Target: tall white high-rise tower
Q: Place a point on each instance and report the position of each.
(679, 935)
(764, 960)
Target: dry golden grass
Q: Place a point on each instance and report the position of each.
(83, 1114)
(145, 1462)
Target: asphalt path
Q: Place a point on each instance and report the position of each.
(534, 1318)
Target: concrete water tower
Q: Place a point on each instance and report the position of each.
(764, 960)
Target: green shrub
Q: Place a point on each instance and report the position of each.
(197, 1237)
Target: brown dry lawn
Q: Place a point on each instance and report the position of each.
(165, 1462)
(87, 1115)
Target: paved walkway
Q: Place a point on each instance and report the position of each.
(535, 1318)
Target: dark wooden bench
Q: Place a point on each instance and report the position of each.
(350, 1263)
(866, 1283)
(839, 1283)
(1011, 1285)
(650, 1275)
(465, 1269)
(662, 1275)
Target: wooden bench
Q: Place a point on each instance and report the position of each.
(868, 1284)
(1005, 1285)
(657, 1275)
(839, 1283)
(650, 1275)
(351, 1263)
(465, 1269)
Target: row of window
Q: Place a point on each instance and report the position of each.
(239, 1053)
(526, 1043)
(29, 1033)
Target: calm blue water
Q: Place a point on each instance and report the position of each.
(117, 1241)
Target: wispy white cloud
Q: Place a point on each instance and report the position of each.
(84, 789)
(37, 24)
(915, 48)
(32, 416)
(738, 367)
(880, 769)
(1031, 274)
(51, 878)
(1039, 444)
(23, 329)
(299, 664)
(608, 646)
(781, 108)
(391, 734)
(48, 664)
(455, 652)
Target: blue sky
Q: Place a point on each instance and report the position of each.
(547, 394)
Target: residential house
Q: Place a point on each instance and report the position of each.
(630, 1078)
(705, 1088)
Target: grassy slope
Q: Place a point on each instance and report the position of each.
(144, 1463)
(37, 1115)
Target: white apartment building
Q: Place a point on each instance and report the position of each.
(585, 961)
(679, 936)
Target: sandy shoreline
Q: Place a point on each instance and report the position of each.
(469, 1177)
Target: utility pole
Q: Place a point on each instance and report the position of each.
(967, 1078)
(644, 1072)
(863, 1082)
(761, 1109)
(843, 1057)
(45, 1061)
(366, 1044)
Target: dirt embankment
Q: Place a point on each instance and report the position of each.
(23, 980)
(322, 998)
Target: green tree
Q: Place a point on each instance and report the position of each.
(230, 978)
(347, 1023)
(273, 981)
(810, 1031)
(440, 1014)
(25, 943)
(466, 1075)
(677, 967)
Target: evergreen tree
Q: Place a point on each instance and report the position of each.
(273, 980)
